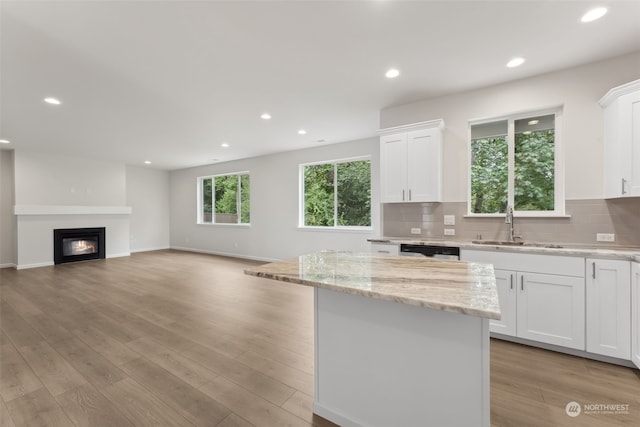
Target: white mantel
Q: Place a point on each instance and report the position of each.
(35, 225)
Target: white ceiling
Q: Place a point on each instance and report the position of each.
(169, 81)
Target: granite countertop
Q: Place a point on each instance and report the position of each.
(456, 286)
(548, 248)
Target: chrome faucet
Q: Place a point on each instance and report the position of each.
(509, 220)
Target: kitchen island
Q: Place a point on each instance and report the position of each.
(399, 341)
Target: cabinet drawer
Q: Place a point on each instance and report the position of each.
(536, 263)
(385, 248)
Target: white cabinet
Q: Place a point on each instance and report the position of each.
(411, 163)
(385, 248)
(622, 140)
(608, 310)
(507, 293)
(635, 314)
(542, 297)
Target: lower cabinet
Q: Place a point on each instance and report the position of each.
(635, 314)
(542, 298)
(608, 285)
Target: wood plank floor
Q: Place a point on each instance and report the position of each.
(171, 338)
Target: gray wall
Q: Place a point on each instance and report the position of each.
(7, 219)
(148, 196)
(274, 232)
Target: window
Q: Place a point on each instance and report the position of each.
(336, 194)
(224, 199)
(516, 162)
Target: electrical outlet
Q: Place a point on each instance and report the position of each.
(449, 220)
(449, 231)
(605, 237)
(416, 231)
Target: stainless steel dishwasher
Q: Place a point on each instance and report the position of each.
(431, 251)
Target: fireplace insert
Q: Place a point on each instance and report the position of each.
(78, 244)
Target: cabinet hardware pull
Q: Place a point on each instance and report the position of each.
(624, 181)
(384, 252)
(522, 283)
(403, 195)
(409, 194)
(511, 275)
(593, 270)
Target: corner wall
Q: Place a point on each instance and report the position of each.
(7, 219)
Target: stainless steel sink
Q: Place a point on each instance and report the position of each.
(516, 243)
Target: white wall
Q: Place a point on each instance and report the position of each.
(7, 219)
(50, 179)
(274, 232)
(578, 89)
(148, 195)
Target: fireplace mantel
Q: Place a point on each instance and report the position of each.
(70, 210)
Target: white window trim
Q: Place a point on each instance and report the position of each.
(559, 164)
(199, 190)
(335, 227)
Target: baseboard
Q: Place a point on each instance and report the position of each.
(123, 254)
(159, 248)
(227, 254)
(36, 265)
(334, 416)
(571, 351)
(8, 265)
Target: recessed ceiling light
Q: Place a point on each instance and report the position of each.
(302, 132)
(147, 162)
(392, 73)
(533, 122)
(225, 145)
(526, 132)
(593, 14)
(4, 141)
(52, 101)
(515, 62)
(265, 116)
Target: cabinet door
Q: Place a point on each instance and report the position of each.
(507, 293)
(632, 130)
(635, 314)
(551, 309)
(424, 166)
(393, 168)
(608, 309)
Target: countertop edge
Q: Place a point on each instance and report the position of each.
(492, 315)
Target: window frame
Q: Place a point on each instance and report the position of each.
(200, 197)
(301, 194)
(559, 164)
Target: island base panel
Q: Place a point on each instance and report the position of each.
(380, 363)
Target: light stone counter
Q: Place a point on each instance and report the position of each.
(399, 341)
(544, 248)
(456, 286)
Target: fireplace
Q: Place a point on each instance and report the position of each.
(78, 244)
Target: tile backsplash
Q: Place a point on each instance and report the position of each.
(585, 218)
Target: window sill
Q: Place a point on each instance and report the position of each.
(518, 215)
(219, 224)
(363, 230)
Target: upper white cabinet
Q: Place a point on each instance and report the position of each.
(622, 140)
(411, 163)
(608, 309)
(635, 313)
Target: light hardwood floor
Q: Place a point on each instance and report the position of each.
(172, 338)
